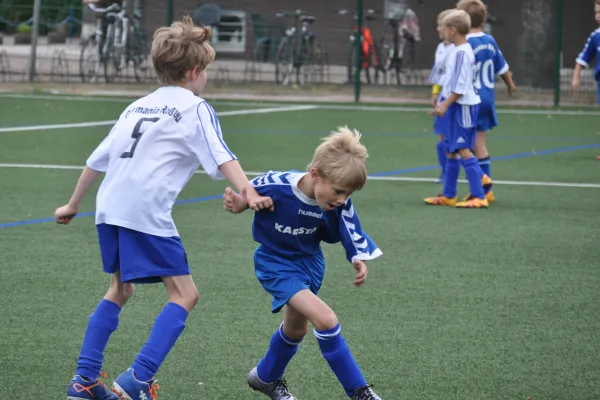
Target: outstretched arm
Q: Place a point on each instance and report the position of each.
(235, 174)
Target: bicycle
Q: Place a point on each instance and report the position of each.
(398, 44)
(371, 56)
(122, 43)
(296, 52)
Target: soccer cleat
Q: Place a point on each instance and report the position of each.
(84, 389)
(474, 202)
(440, 200)
(486, 182)
(130, 388)
(489, 196)
(276, 390)
(365, 393)
(598, 157)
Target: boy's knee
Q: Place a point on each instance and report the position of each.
(187, 298)
(120, 292)
(325, 321)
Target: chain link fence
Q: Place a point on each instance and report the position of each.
(271, 44)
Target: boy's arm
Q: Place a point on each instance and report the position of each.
(584, 59)
(65, 214)
(576, 81)
(238, 202)
(232, 170)
(510, 84)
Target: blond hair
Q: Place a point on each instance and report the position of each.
(180, 48)
(341, 158)
(459, 20)
(443, 14)
(476, 10)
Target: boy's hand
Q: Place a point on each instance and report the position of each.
(65, 214)
(434, 99)
(575, 83)
(440, 110)
(361, 272)
(256, 201)
(511, 89)
(233, 202)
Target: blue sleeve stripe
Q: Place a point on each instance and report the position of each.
(215, 123)
(460, 56)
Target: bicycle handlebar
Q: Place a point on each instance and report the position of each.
(296, 13)
(345, 11)
(98, 10)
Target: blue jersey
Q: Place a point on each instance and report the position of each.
(298, 225)
(591, 51)
(490, 63)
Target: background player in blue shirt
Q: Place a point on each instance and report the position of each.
(490, 64)
(309, 208)
(590, 51)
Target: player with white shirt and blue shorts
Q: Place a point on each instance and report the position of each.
(150, 154)
(490, 65)
(309, 208)
(436, 78)
(461, 108)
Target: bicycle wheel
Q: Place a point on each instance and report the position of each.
(89, 60)
(138, 53)
(284, 62)
(305, 63)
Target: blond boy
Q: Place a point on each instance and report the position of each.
(150, 154)
(310, 207)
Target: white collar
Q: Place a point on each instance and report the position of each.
(295, 178)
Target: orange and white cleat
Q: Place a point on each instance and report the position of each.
(474, 202)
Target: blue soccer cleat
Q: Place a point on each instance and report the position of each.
(130, 388)
(90, 390)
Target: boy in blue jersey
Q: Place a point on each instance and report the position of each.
(309, 208)
(461, 105)
(440, 124)
(590, 51)
(490, 64)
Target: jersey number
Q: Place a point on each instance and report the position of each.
(136, 135)
(484, 74)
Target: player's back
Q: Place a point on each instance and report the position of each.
(153, 150)
(489, 64)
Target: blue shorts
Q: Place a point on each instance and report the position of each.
(487, 118)
(462, 128)
(440, 124)
(284, 277)
(140, 258)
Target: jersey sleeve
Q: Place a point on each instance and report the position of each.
(587, 54)
(262, 185)
(98, 160)
(208, 143)
(500, 65)
(459, 80)
(342, 225)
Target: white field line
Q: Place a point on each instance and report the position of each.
(323, 106)
(103, 123)
(372, 178)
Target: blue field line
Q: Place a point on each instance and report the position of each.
(385, 173)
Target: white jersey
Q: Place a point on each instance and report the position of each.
(150, 154)
(439, 66)
(460, 75)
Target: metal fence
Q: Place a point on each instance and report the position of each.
(267, 43)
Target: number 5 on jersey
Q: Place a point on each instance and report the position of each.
(136, 135)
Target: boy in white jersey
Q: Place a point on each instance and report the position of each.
(490, 64)
(310, 208)
(462, 106)
(153, 150)
(440, 124)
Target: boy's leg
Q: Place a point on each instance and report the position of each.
(333, 345)
(474, 176)
(267, 376)
(102, 323)
(483, 157)
(442, 157)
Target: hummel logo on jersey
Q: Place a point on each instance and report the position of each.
(460, 140)
(295, 231)
(310, 213)
(143, 395)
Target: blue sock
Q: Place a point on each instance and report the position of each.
(451, 177)
(166, 330)
(441, 153)
(280, 352)
(474, 176)
(102, 323)
(340, 359)
(486, 167)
